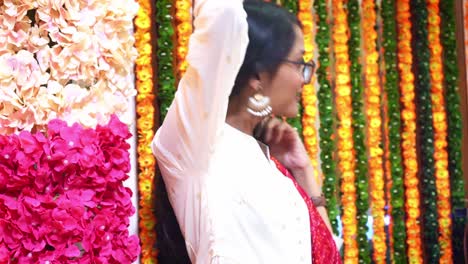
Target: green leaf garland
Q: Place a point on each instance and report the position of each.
(426, 130)
(359, 123)
(326, 112)
(166, 76)
(454, 120)
(392, 91)
(291, 5)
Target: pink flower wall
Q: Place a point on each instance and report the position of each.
(65, 83)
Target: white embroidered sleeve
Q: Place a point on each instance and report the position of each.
(195, 119)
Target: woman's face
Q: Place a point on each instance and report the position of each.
(285, 87)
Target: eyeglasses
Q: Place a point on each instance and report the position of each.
(307, 69)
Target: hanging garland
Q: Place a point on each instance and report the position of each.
(408, 116)
(184, 29)
(345, 132)
(440, 133)
(145, 129)
(326, 110)
(397, 230)
(374, 128)
(423, 88)
(388, 179)
(292, 5)
(309, 97)
(165, 56)
(454, 123)
(358, 124)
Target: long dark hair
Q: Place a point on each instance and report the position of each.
(271, 37)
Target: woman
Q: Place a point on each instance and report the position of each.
(234, 202)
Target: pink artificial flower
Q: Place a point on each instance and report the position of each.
(72, 251)
(75, 212)
(4, 252)
(53, 128)
(32, 245)
(118, 128)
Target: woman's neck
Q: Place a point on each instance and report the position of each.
(239, 118)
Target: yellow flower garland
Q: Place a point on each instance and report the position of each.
(145, 125)
(374, 128)
(184, 30)
(309, 97)
(346, 153)
(408, 136)
(440, 133)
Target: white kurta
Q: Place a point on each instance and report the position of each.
(232, 204)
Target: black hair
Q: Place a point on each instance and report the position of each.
(271, 38)
(169, 240)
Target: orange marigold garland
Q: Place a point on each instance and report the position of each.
(184, 29)
(374, 128)
(440, 132)
(408, 115)
(309, 96)
(145, 125)
(345, 132)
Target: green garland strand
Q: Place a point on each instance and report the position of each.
(452, 102)
(388, 14)
(166, 77)
(326, 112)
(426, 131)
(359, 123)
(291, 5)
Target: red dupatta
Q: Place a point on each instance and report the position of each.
(324, 250)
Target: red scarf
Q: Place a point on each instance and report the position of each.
(324, 249)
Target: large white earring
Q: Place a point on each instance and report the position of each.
(259, 105)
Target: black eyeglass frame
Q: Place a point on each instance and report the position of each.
(307, 71)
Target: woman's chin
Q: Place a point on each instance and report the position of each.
(291, 112)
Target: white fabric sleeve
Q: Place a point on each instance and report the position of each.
(223, 260)
(195, 118)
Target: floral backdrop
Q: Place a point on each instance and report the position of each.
(66, 78)
(382, 124)
(65, 59)
(387, 79)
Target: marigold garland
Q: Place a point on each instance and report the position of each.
(184, 29)
(440, 133)
(145, 125)
(326, 109)
(425, 131)
(454, 121)
(309, 97)
(374, 128)
(359, 124)
(408, 116)
(345, 132)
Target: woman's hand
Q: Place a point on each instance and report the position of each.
(287, 147)
(284, 143)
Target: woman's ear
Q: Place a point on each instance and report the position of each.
(255, 84)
